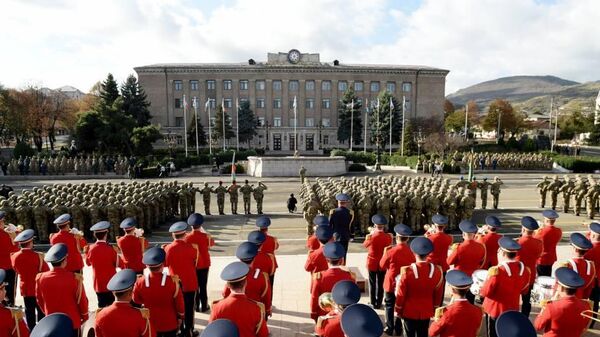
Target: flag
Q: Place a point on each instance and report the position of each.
(377, 105)
(194, 103)
(207, 104)
(391, 105)
(233, 167)
(184, 103)
(223, 104)
(294, 104)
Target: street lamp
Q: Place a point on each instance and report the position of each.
(171, 140)
(420, 140)
(320, 128)
(267, 136)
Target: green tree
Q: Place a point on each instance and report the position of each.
(248, 122)
(135, 101)
(192, 133)
(510, 120)
(348, 122)
(116, 136)
(574, 123)
(218, 127)
(456, 120)
(109, 90)
(448, 108)
(410, 145)
(89, 130)
(380, 120)
(594, 137)
(143, 137)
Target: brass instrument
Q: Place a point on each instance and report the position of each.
(326, 302)
(591, 315)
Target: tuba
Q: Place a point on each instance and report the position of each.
(326, 302)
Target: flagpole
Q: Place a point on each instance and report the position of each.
(207, 106)
(366, 112)
(295, 125)
(196, 118)
(224, 121)
(402, 141)
(391, 122)
(237, 128)
(185, 125)
(351, 124)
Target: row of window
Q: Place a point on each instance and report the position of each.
(309, 103)
(294, 85)
(308, 122)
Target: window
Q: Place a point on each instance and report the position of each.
(310, 103)
(178, 103)
(179, 121)
(293, 85)
(194, 85)
(213, 103)
(277, 103)
(326, 85)
(227, 85)
(260, 102)
(277, 85)
(293, 122)
(325, 103)
(178, 85)
(260, 85)
(374, 86)
(243, 84)
(309, 85)
(261, 121)
(325, 139)
(406, 86)
(358, 86)
(179, 140)
(277, 121)
(390, 87)
(326, 122)
(342, 85)
(228, 103)
(213, 120)
(211, 85)
(243, 100)
(310, 122)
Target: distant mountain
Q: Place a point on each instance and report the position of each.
(67, 90)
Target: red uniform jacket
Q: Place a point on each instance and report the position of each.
(123, 320)
(7, 247)
(181, 260)
(594, 255)
(248, 315)
(419, 290)
(329, 325)
(468, 256)
(550, 236)
(562, 318)
(323, 282)
(312, 243)
(270, 246)
(503, 288)
(460, 319)
(60, 290)
(316, 261)
(490, 241)
(587, 271)
(27, 264)
(132, 249)
(441, 243)
(160, 293)
(530, 252)
(258, 288)
(265, 262)
(103, 259)
(376, 243)
(11, 320)
(203, 242)
(75, 244)
(394, 258)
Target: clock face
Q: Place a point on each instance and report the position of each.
(294, 56)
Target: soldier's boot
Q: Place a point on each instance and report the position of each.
(543, 201)
(259, 207)
(206, 209)
(496, 203)
(483, 203)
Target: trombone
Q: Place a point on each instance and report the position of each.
(593, 315)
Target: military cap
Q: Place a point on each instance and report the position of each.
(2, 215)
(550, 214)
(360, 320)
(263, 222)
(529, 223)
(53, 325)
(246, 251)
(56, 253)
(62, 219)
(324, 233)
(508, 244)
(568, 278)
(595, 227)
(345, 293)
(439, 219)
(379, 219)
(257, 237)
(128, 223)
(493, 221)
(100, 226)
(514, 324)
(220, 328)
(402, 230)
(195, 220)
(178, 227)
(122, 280)
(579, 241)
(321, 220)
(2, 277)
(342, 197)
(25, 236)
(154, 256)
(421, 246)
(333, 250)
(458, 279)
(467, 226)
(235, 271)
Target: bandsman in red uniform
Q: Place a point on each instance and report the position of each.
(121, 318)
(594, 255)
(376, 242)
(60, 290)
(102, 256)
(263, 260)
(585, 268)
(324, 281)
(199, 238)
(248, 315)
(394, 258)
(132, 246)
(312, 242)
(315, 261)
(441, 243)
(360, 320)
(11, 320)
(562, 317)
(468, 255)
(505, 284)
(530, 252)
(489, 237)
(270, 245)
(55, 325)
(419, 289)
(459, 318)
(550, 236)
(27, 264)
(344, 293)
(73, 240)
(221, 328)
(181, 260)
(7, 247)
(160, 293)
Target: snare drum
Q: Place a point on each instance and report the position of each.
(543, 289)
(479, 276)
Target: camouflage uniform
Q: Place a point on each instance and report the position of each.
(246, 191)
(220, 191)
(206, 191)
(259, 194)
(233, 196)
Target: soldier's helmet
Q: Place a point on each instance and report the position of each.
(205, 184)
(496, 178)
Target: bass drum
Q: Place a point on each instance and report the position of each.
(87, 329)
(543, 289)
(479, 276)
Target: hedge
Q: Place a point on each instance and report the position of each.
(357, 168)
(239, 169)
(368, 158)
(581, 164)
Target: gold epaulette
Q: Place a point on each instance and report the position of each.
(387, 248)
(317, 275)
(564, 264)
(454, 246)
(403, 270)
(16, 313)
(98, 310)
(86, 249)
(368, 237)
(439, 312)
(493, 271)
(544, 303)
(145, 312)
(78, 277)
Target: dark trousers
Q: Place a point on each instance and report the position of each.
(31, 308)
(202, 296)
(491, 326)
(544, 269)
(344, 243)
(189, 299)
(105, 299)
(376, 287)
(526, 299)
(11, 279)
(393, 325)
(595, 297)
(272, 281)
(443, 289)
(167, 334)
(416, 327)
(470, 297)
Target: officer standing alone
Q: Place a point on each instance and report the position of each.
(340, 219)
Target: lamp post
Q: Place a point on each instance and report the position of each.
(170, 139)
(320, 128)
(267, 136)
(420, 140)
(499, 112)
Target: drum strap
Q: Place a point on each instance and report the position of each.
(413, 266)
(509, 272)
(163, 281)
(574, 266)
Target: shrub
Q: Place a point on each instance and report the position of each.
(583, 164)
(149, 172)
(23, 149)
(239, 169)
(368, 158)
(357, 168)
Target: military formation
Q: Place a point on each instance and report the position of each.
(247, 190)
(401, 199)
(505, 161)
(577, 194)
(62, 165)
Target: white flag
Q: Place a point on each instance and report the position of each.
(377, 105)
(207, 104)
(194, 103)
(391, 105)
(184, 103)
(223, 104)
(294, 104)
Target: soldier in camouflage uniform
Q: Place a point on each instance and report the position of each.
(24, 215)
(114, 213)
(400, 202)
(311, 210)
(554, 188)
(495, 191)
(220, 191)
(483, 188)
(364, 209)
(233, 196)
(11, 215)
(591, 199)
(41, 219)
(415, 205)
(259, 194)
(384, 205)
(206, 191)
(567, 190)
(579, 191)
(183, 203)
(450, 207)
(543, 189)
(78, 217)
(246, 191)
(467, 204)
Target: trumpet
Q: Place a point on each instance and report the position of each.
(593, 315)
(326, 302)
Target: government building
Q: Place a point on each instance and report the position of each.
(271, 87)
